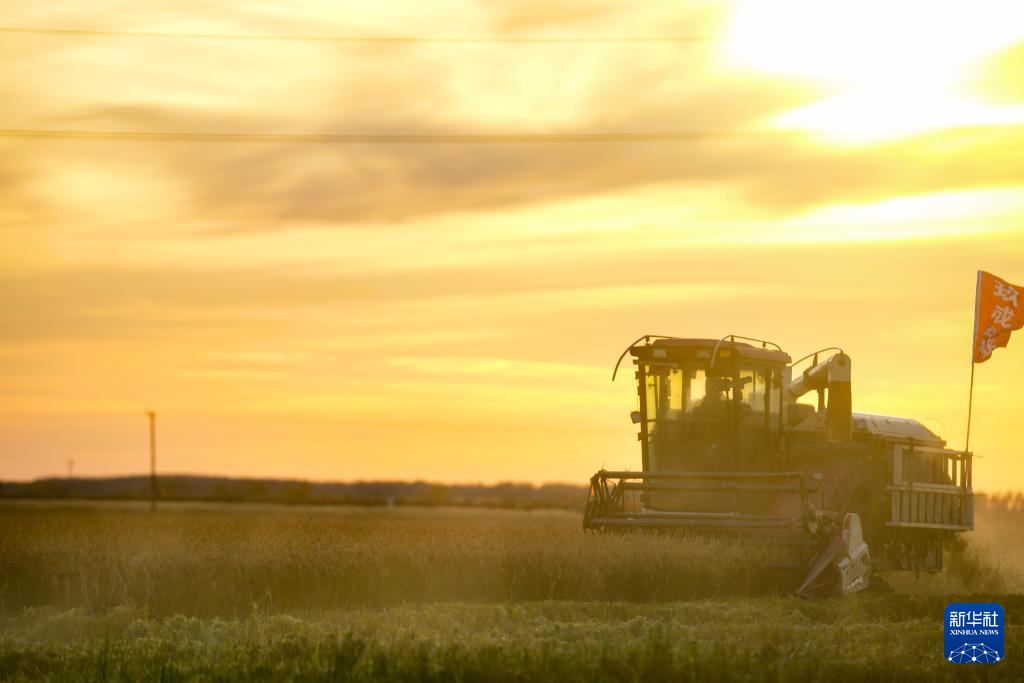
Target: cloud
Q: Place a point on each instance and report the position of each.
(1001, 78)
(521, 16)
(453, 88)
(17, 205)
(640, 288)
(258, 188)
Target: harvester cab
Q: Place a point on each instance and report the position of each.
(726, 449)
(707, 406)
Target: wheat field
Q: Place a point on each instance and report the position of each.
(104, 591)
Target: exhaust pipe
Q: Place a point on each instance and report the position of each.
(839, 413)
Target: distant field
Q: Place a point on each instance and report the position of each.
(195, 488)
(107, 591)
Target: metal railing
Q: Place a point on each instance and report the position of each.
(930, 488)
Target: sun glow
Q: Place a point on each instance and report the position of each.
(887, 112)
(886, 70)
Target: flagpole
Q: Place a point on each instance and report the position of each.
(974, 342)
(970, 402)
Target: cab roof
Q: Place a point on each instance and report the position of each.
(742, 349)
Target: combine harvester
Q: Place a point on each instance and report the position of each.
(829, 494)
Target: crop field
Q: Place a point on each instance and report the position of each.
(108, 591)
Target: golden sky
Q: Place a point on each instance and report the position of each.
(452, 311)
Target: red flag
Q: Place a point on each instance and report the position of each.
(997, 313)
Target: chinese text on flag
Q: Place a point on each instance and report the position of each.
(997, 313)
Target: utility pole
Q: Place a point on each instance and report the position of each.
(152, 460)
(71, 469)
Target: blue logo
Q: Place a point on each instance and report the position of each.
(974, 633)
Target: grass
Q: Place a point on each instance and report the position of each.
(760, 639)
(198, 592)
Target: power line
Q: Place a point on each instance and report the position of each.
(393, 138)
(440, 138)
(165, 35)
